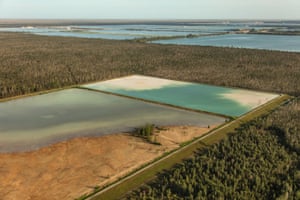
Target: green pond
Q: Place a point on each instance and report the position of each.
(33, 122)
(213, 99)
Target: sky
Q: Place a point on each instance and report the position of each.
(150, 9)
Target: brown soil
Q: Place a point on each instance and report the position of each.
(69, 169)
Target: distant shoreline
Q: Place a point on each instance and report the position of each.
(24, 22)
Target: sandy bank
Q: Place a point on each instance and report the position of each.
(250, 99)
(136, 82)
(69, 169)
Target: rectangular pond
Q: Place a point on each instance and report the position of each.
(33, 122)
(219, 100)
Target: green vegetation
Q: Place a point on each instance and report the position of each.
(31, 63)
(260, 160)
(147, 132)
(187, 151)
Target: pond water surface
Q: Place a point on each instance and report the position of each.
(202, 97)
(33, 122)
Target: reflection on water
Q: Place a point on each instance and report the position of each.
(32, 122)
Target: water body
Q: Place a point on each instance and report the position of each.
(251, 41)
(115, 32)
(120, 32)
(220, 100)
(33, 122)
(182, 29)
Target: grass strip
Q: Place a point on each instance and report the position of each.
(214, 136)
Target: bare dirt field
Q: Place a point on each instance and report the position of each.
(69, 169)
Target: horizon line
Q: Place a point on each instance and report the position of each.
(27, 21)
(149, 19)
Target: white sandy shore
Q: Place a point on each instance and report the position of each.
(137, 82)
(247, 98)
(250, 99)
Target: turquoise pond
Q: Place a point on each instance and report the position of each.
(213, 99)
(33, 122)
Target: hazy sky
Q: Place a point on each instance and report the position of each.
(151, 9)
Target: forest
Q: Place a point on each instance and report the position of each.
(260, 160)
(31, 63)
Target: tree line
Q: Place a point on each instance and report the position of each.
(31, 63)
(260, 160)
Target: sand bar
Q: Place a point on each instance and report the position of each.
(250, 99)
(138, 82)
